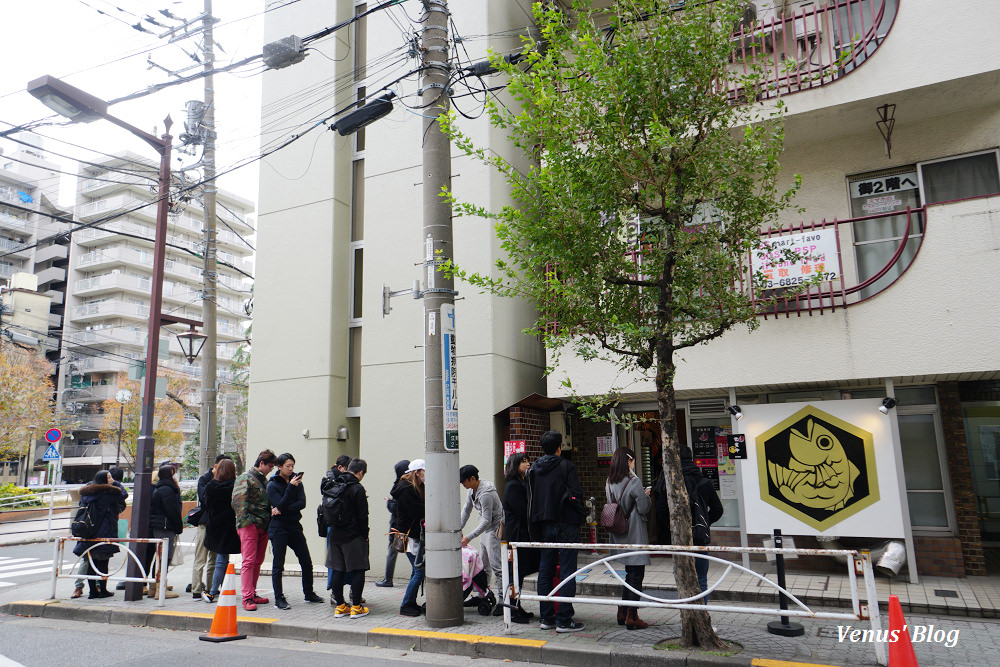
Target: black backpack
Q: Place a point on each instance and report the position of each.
(700, 533)
(84, 524)
(336, 510)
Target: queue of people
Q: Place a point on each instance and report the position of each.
(542, 502)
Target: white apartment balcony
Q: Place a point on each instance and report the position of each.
(7, 269)
(13, 222)
(90, 393)
(120, 203)
(101, 364)
(97, 311)
(55, 321)
(116, 336)
(236, 285)
(88, 422)
(53, 274)
(10, 194)
(93, 236)
(51, 252)
(15, 249)
(242, 227)
(112, 282)
(57, 296)
(92, 187)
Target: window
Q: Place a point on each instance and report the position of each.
(960, 177)
(354, 368)
(883, 197)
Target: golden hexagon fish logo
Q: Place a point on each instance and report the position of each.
(817, 468)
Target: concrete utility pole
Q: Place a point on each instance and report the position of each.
(443, 532)
(209, 375)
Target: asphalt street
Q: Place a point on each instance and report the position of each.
(42, 642)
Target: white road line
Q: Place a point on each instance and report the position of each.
(8, 575)
(5, 568)
(11, 561)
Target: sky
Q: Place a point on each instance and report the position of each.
(103, 55)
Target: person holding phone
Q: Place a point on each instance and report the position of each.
(288, 498)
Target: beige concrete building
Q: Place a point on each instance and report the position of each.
(910, 313)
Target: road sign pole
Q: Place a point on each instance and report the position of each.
(52, 490)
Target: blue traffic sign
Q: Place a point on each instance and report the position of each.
(53, 435)
(51, 454)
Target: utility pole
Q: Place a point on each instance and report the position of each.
(443, 538)
(209, 375)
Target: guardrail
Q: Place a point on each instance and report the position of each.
(858, 563)
(162, 546)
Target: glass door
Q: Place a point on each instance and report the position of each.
(982, 433)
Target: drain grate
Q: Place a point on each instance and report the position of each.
(944, 593)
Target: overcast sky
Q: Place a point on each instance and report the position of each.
(103, 55)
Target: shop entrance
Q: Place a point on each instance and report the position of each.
(644, 438)
(982, 433)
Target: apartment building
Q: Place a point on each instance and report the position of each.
(897, 146)
(109, 281)
(29, 194)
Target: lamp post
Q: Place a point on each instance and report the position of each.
(123, 396)
(27, 453)
(80, 106)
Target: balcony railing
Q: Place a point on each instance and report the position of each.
(837, 289)
(812, 46)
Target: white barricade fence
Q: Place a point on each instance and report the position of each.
(858, 563)
(155, 575)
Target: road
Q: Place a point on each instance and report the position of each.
(33, 642)
(25, 564)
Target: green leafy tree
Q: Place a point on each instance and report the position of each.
(640, 187)
(26, 402)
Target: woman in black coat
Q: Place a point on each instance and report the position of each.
(515, 517)
(165, 517)
(104, 501)
(220, 533)
(409, 495)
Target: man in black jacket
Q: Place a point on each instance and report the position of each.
(348, 543)
(390, 504)
(706, 509)
(555, 511)
(204, 560)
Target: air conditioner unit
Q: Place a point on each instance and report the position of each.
(559, 421)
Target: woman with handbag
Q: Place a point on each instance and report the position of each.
(405, 529)
(515, 512)
(221, 537)
(625, 489)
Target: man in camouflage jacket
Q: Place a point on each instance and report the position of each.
(253, 514)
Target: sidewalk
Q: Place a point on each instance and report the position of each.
(603, 643)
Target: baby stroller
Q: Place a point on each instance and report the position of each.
(475, 577)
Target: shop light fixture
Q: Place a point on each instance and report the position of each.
(888, 403)
(735, 411)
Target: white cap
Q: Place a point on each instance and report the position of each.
(416, 464)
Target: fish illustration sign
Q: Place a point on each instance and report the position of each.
(821, 468)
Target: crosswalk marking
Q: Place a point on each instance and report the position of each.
(5, 568)
(12, 568)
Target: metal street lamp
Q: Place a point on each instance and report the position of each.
(123, 396)
(27, 453)
(77, 105)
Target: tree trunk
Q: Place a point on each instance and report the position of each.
(696, 626)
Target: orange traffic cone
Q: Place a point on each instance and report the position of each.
(900, 649)
(224, 623)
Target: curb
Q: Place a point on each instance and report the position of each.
(425, 641)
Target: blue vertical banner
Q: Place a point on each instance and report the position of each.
(449, 384)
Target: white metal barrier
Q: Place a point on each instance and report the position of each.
(858, 563)
(156, 575)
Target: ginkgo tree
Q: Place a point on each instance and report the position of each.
(641, 181)
(26, 400)
(169, 417)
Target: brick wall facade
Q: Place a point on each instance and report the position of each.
(960, 474)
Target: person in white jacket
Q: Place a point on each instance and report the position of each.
(484, 498)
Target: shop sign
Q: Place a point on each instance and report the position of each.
(511, 447)
(819, 466)
(605, 450)
(818, 257)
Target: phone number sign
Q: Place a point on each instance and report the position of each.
(817, 256)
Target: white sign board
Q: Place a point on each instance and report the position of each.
(818, 250)
(821, 468)
(449, 385)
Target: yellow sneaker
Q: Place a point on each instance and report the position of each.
(341, 611)
(357, 611)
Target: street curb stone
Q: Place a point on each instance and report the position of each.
(297, 632)
(353, 637)
(561, 654)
